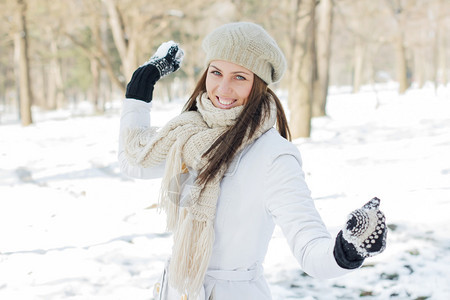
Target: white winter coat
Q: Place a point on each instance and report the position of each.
(263, 186)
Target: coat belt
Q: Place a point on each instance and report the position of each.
(236, 275)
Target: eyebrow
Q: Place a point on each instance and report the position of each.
(243, 72)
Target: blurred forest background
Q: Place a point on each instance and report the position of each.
(57, 54)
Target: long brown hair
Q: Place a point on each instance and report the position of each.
(255, 110)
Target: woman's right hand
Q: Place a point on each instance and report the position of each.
(166, 60)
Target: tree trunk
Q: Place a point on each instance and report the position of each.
(440, 50)
(444, 60)
(4, 89)
(95, 93)
(401, 68)
(98, 36)
(21, 42)
(302, 63)
(436, 59)
(358, 67)
(398, 10)
(323, 52)
(125, 42)
(55, 96)
(419, 68)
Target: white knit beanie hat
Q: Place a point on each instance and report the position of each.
(248, 45)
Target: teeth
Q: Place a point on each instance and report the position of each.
(225, 102)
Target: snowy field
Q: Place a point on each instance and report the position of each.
(73, 227)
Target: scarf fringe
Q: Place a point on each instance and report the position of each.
(193, 242)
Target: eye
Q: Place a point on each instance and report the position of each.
(239, 77)
(215, 72)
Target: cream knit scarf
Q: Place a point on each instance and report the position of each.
(182, 142)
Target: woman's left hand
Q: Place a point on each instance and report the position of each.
(363, 236)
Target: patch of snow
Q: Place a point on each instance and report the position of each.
(72, 226)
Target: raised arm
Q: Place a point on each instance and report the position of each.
(135, 131)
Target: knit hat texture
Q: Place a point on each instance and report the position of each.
(248, 45)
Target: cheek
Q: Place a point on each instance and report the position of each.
(209, 84)
(245, 91)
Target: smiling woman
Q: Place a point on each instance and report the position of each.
(228, 84)
(230, 177)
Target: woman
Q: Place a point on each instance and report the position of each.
(230, 176)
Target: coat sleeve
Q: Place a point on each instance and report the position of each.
(292, 208)
(135, 115)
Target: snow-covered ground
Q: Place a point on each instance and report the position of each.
(73, 227)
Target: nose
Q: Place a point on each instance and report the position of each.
(224, 86)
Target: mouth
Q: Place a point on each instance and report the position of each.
(225, 102)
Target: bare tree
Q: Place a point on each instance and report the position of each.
(7, 62)
(438, 16)
(55, 86)
(21, 44)
(323, 53)
(125, 41)
(397, 9)
(133, 24)
(365, 23)
(302, 68)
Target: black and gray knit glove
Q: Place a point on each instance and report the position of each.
(166, 60)
(363, 236)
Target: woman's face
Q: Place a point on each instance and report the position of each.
(227, 84)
